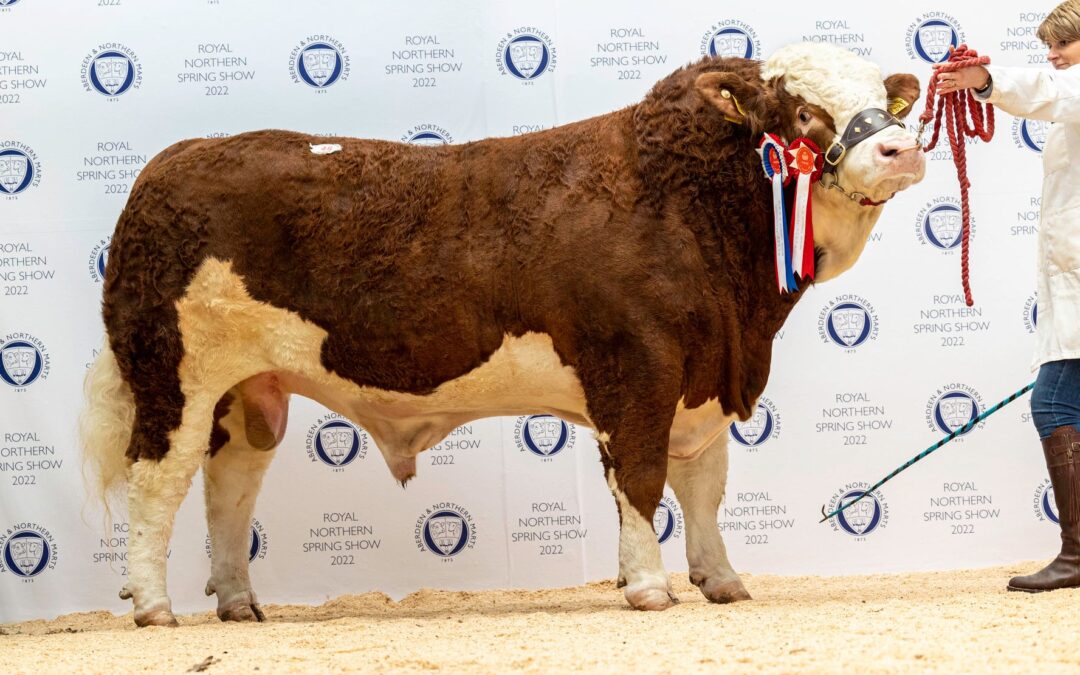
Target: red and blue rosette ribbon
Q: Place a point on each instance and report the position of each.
(805, 162)
(773, 162)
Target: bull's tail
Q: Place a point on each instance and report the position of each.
(105, 426)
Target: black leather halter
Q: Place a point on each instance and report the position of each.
(861, 127)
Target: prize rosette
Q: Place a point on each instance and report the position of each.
(804, 162)
(773, 163)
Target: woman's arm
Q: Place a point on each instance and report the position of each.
(1050, 95)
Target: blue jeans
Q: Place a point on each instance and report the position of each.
(1055, 401)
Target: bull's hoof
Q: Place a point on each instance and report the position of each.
(156, 617)
(125, 593)
(720, 590)
(240, 612)
(240, 606)
(650, 599)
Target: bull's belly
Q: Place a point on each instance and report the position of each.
(523, 376)
(229, 338)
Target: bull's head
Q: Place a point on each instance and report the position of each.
(826, 93)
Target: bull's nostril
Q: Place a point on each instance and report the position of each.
(888, 152)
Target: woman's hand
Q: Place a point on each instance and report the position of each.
(975, 77)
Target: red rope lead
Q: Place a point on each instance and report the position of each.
(955, 105)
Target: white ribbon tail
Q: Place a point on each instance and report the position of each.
(798, 242)
(778, 235)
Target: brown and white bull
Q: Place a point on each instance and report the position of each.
(616, 272)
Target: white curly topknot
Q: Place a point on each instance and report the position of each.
(826, 75)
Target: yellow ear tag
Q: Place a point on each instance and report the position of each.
(727, 94)
(896, 105)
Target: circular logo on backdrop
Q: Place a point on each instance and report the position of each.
(111, 70)
(427, 134)
(864, 518)
(258, 542)
(336, 442)
(99, 256)
(940, 224)
(19, 168)
(848, 321)
(319, 61)
(445, 529)
(1031, 313)
(526, 53)
(762, 427)
(931, 35)
(23, 360)
(1030, 134)
(1044, 504)
(27, 550)
(543, 435)
(731, 38)
(667, 520)
(951, 407)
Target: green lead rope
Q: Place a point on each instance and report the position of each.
(962, 430)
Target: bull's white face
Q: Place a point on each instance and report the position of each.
(844, 85)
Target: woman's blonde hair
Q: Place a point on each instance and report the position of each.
(1062, 24)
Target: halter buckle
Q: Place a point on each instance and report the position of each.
(828, 152)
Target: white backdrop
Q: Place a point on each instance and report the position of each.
(91, 89)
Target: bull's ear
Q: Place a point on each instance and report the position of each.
(903, 91)
(739, 101)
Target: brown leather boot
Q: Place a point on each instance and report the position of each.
(1062, 450)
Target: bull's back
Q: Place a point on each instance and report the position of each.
(268, 204)
(365, 242)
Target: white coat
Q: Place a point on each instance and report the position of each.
(1052, 96)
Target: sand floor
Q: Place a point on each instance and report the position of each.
(940, 622)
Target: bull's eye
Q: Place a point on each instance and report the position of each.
(805, 117)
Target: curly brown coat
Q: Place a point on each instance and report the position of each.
(640, 241)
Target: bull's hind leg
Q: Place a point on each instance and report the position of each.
(699, 485)
(157, 482)
(250, 423)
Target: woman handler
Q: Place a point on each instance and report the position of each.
(1052, 96)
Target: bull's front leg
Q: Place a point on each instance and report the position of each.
(699, 486)
(633, 438)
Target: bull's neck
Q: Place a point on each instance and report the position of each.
(739, 221)
(841, 229)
